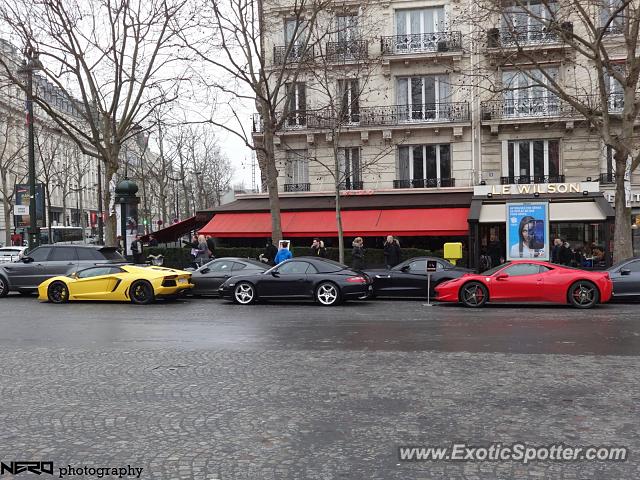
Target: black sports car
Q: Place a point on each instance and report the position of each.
(325, 281)
(409, 278)
(208, 278)
(626, 278)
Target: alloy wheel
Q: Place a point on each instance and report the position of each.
(4, 288)
(474, 295)
(244, 293)
(327, 294)
(58, 292)
(141, 292)
(584, 295)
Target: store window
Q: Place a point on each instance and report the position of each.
(532, 161)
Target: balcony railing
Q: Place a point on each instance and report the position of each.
(352, 185)
(607, 178)
(347, 50)
(295, 54)
(526, 179)
(547, 107)
(297, 187)
(424, 183)
(436, 42)
(526, 36)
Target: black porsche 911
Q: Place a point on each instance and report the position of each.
(409, 278)
(208, 278)
(626, 279)
(325, 281)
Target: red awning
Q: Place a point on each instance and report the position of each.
(174, 231)
(322, 223)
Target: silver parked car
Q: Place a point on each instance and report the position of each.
(11, 254)
(49, 261)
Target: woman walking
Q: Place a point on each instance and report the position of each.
(357, 254)
(202, 251)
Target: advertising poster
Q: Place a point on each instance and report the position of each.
(528, 231)
(22, 198)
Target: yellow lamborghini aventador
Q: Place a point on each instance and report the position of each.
(127, 283)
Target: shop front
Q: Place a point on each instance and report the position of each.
(633, 201)
(512, 222)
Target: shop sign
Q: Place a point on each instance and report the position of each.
(533, 188)
(527, 230)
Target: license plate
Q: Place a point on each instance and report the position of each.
(182, 280)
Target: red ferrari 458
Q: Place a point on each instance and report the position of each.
(528, 281)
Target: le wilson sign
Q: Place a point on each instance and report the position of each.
(539, 188)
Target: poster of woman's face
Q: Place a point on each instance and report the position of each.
(527, 231)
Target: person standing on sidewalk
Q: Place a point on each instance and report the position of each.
(392, 252)
(211, 245)
(136, 250)
(357, 254)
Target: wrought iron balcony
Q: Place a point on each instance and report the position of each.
(525, 108)
(348, 50)
(424, 183)
(607, 178)
(292, 54)
(527, 36)
(526, 179)
(406, 114)
(435, 42)
(297, 187)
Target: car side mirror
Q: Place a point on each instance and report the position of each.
(405, 268)
(205, 270)
(275, 273)
(27, 259)
(502, 276)
(625, 271)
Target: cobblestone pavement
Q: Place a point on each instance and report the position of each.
(208, 390)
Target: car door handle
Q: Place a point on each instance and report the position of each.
(383, 276)
(70, 263)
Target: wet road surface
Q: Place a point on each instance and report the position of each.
(205, 389)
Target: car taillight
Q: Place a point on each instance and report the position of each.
(356, 280)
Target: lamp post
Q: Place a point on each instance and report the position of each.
(31, 64)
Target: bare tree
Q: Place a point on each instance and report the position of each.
(114, 61)
(599, 85)
(12, 153)
(250, 74)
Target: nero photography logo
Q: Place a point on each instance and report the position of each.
(15, 468)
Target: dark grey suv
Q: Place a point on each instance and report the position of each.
(49, 261)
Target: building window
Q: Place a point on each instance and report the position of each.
(350, 169)
(525, 93)
(296, 104)
(422, 98)
(422, 166)
(416, 29)
(532, 161)
(297, 171)
(347, 28)
(612, 16)
(527, 22)
(349, 100)
(615, 89)
(294, 30)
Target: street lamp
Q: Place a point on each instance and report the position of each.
(31, 64)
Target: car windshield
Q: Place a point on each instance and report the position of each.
(493, 270)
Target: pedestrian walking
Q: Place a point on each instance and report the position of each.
(555, 250)
(201, 251)
(283, 253)
(136, 250)
(357, 254)
(392, 252)
(317, 249)
(269, 254)
(211, 245)
(565, 254)
(495, 250)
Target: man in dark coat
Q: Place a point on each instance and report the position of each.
(392, 252)
(270, 252)
(495, 250)
(211, 245)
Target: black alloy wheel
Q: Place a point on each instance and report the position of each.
(583, 294)
(141, 292)
(4, 287)
(58, 292)
(474, 294)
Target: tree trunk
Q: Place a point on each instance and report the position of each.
(64, 209)
(6, 207)
(272, 184)
(339, 224)
(622, 241)
(110, 228)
